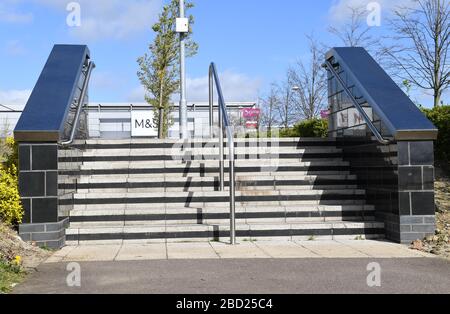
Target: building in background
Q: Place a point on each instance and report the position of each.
(9, 116)
(114, 120)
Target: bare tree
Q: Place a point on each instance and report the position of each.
(355, 32)
(420, 53)
(309, 80)
(286, 108)
(270, 105)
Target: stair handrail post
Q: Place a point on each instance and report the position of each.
(224, 125)
(232, 188)
(211, 103)
(221, 153)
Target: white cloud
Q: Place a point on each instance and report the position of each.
(104, 19)
(137, 95)
(15, 99)
(340, 10)
(235, 87)
(105, 80)
(15, 48)
(9, 14)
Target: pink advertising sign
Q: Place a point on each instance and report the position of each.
(251, 113)
(324, 114)
(251, 125)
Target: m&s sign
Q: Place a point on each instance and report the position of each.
(142, 124)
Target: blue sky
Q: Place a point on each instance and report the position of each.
(252, 41)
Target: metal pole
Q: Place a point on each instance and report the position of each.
(221, 153)
(183, 101)
(232, 192)
(211, 103)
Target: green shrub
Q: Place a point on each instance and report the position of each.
(440, 116)
(10, 152)
(307, 128)
(11, 211)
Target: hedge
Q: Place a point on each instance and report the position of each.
(11, 210)
(307, 128)
(440, 116)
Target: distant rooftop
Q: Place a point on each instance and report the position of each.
(19, 107)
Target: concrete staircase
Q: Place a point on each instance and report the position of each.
(146, 190)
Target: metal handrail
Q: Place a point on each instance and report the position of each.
(358, 107)
(80, 104)
(8, 108)
(224, 121)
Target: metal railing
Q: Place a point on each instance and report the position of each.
(224, 122)
(8, 109)
(80, 104)
(358, 107)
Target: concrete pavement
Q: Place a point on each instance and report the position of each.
(244, 250)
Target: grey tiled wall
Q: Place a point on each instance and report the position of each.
(38, 181)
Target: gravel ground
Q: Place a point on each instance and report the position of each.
(439, 244)
(12, 246)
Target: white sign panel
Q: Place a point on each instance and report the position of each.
(142, 124)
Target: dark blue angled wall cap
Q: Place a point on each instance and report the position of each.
(45, 113)
(400, 115)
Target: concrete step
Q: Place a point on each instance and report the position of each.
(137, 141)
(122, 184)
(210, 150)
(220, 232)
(183, 166)
(272, 201)
(218, 193)
(87, 189)
(89, 224)
(205, 172)
(144, 174)
(212, 215)
(214, 207)
(137, 209)
(123, 179)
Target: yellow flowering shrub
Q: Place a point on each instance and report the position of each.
(13, 158)
(11, 211)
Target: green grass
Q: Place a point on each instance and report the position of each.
(9, 275)
(46, 248)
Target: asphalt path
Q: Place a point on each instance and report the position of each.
(242, 276)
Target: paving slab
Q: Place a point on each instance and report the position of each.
(59, 256)
(383, 249)
(138, 252)
(332, 249)
(241, 250)
(93, 253)
(191, 251)
(285, 250)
